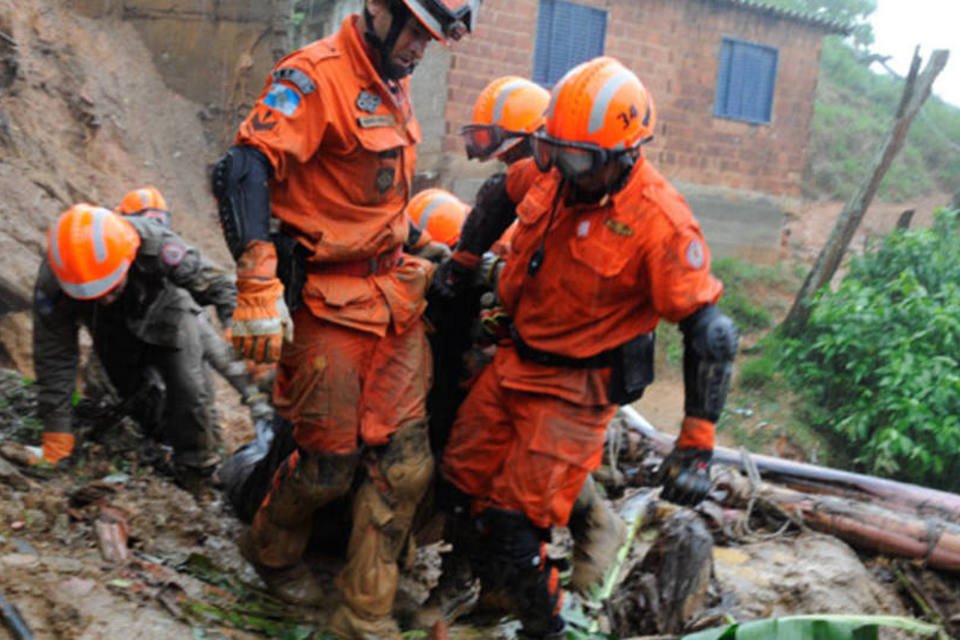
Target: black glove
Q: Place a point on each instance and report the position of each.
(451, 280)
(685, 476)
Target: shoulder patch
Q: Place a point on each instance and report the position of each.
(172, 253)
(297, 78)
(282, 98)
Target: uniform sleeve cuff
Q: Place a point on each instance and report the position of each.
(469, 260)
(696, 433)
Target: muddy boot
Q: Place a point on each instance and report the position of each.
(598, 533)
(347, 623)
(456, 594)
(383, 510)
(294, 584)
(196, 479)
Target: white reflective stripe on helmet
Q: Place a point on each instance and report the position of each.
(598, 114)
(99, 241)
(501, 102)
(96, 288)
(438, 201)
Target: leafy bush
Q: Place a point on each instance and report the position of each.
(881, 355)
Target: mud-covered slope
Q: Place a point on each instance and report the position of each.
(85, 116)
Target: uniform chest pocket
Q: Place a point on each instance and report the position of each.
(376, 169)
(603, 245)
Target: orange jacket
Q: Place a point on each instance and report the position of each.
(342, 145)
(610, 271)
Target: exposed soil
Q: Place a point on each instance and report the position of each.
(84, 116)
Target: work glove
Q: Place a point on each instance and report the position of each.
(685, 476)
(453, 277)
(261, 321)
(434, 252)
(495, 323)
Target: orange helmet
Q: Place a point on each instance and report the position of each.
(147, 202)
(90, 250)
(597, 110)
(439, 213)
(506, 110)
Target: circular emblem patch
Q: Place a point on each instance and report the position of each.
(172, 253)
(695, 254)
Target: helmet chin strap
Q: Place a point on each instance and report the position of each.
(384, 47)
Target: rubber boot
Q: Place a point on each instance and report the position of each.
(294, 584)
(383, 510)
(275, 542)
(598, 533)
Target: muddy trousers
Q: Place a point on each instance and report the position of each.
(598, 533)
(188, 421)
(396, 477)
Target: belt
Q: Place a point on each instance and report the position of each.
(362, 267)
(532, 354)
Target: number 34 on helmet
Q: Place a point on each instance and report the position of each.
(597, 111)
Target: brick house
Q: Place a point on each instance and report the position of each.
(733, 82)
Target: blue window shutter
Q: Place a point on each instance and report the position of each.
(746, 79)
(567, 34)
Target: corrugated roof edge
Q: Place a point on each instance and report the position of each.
(831, 26)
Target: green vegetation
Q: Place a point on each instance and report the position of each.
(879, 362)
(824, 627)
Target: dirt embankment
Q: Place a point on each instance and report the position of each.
(85, 116)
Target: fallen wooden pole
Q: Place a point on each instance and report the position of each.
(864, 525)
(811, 478)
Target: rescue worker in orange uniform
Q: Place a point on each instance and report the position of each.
(138, 289)
(507, 111)
(605, 248)
(328, 154)
(148, 202)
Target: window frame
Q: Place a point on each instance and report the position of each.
(543, 44)
(734, 42)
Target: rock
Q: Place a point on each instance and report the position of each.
(10, 476)
(62, 564)
(21, 560)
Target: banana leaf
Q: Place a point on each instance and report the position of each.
(819, 627)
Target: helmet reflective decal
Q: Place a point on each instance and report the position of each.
(598, 114)
(282, 98)
(695, 254)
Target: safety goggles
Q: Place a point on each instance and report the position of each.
(572, 159)
(445, 17)
(486, 140)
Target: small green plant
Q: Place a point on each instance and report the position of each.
(880, 357)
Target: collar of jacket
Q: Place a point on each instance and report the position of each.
(352, 43)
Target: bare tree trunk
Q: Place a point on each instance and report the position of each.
(905, 219)
(915, 93)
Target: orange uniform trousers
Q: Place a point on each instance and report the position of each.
(341, 387)
(524, 451)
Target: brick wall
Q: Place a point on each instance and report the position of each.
(673, 46)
